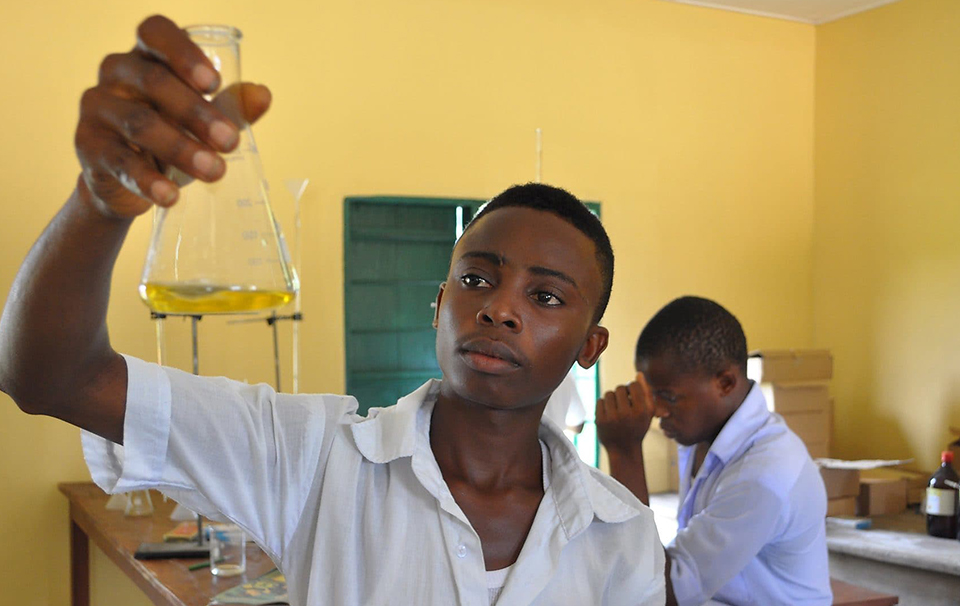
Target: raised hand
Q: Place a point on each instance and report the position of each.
(147, 113)
(624, 416)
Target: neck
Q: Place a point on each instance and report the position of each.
(486, 447)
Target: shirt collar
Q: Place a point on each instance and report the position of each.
(579, 491)
(740, 428)
(390, 433)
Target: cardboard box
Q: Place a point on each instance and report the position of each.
(880, 496)
(841, 482)
(808, 413)
(844, 506)
(785, 398)
(916, 481)
(777, 365)
(812, 427)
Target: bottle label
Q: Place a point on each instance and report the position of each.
(941, 502)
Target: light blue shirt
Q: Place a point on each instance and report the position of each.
(751, 524)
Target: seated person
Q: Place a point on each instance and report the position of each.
(456, 495)
(752, 503)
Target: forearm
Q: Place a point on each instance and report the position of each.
(53, 335)
(626, 466)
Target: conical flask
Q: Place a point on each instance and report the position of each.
(219, 248)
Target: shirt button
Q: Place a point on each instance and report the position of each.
(461, 551)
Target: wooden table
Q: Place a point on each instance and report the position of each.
(169, 583)
(166, 582)
(845, 594)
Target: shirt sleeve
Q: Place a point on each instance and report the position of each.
(656, 593)
(223, 448)
(636, 579)
(721, 540)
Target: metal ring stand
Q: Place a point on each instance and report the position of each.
(272, 320)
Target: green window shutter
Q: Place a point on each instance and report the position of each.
(396, 254)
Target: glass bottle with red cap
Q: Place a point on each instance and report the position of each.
(943, 490)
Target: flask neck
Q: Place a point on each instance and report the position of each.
(221, 44)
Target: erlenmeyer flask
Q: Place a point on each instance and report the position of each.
(139, 504)
(219, 248)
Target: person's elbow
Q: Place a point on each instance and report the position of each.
(36, 388)
(24, 403)
(12, 381)
(27, 400)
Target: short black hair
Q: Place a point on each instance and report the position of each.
(702, 335)
(565, 205)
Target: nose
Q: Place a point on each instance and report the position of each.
(660, 410)
(500, 310)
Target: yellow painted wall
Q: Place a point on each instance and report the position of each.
(693, 127)
(887, 226)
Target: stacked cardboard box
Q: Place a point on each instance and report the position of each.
(916, 482)
(863, 489)
(795, 384)
(843, 490)
(880, 496)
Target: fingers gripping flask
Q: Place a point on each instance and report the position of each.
(219, 248)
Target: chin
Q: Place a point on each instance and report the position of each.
(474, 387)
(488, 395)
(490, 392)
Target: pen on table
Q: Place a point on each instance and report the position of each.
(206, 564)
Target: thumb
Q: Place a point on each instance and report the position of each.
(243, 103)
(256, 100)
(647, 396)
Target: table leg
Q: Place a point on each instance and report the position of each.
(79, 566)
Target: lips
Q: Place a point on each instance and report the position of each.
(489, 356)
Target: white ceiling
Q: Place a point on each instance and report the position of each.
(805, 11)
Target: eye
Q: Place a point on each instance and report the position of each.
(669, 398)
(473, 281)
(548, 299)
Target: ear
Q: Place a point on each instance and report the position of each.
(436, 305)
(596, 342)
(726, 380)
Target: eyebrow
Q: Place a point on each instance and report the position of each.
(494, 258)
(546, 271)
(539, 270)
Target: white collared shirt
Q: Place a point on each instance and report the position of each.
(355, 511)
(565, 407)
(751, 524)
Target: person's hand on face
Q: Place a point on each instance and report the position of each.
(147, 113)
(624, 415)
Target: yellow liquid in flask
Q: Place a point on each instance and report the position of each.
(209, 299)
